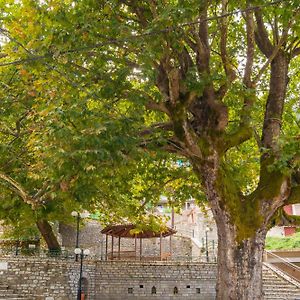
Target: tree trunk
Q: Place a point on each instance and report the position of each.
(241, 235)
(239, 264)
(48, 235)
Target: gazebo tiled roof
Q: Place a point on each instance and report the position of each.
(127, 231)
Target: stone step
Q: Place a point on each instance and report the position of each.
(3, 286)
(9, 294)
(276, 287)
(292, 293)
(277, 282)
(281, 291)
(280, 284)
(290, 288)
(12, 298)
(289, 294)
(281, 297)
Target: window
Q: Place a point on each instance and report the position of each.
(153, 290)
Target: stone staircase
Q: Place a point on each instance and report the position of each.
(8, 294)
(277, 285)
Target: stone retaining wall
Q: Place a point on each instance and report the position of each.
(54, 279)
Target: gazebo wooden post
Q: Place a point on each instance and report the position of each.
(119, 248)
(172, 225)
(119, 231)
(160, 246)
(106, 246)
(173, 218)
(112, 247)
(135, 246)
(141, 248)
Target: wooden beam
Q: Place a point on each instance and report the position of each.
(141, 245)
(160, 246)
(112, 247)
(135, 245)
(119, 248)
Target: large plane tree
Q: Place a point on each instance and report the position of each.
(216, 82)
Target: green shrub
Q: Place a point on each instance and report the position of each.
(290, 242)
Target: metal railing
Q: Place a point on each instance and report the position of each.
(41, 253)
(70, 255)
(285, 262)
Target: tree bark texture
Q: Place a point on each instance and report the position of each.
(242, 224)
(239, 265)
(48, 235)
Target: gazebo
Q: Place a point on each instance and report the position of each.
(129, 231)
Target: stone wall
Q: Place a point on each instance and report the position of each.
(35, 279)
(156, 280)
(90, 236)
(53, 279)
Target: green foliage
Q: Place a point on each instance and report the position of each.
(283, 243)
(75, 80)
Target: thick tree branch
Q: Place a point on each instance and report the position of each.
(275, 102)
(250, 49)
(261, 35)
(203, 24)
(186, 62)
(281, 218)
(40, 194)
(20, 191)
(227, 65)
(167, 126)
(244, 132)
(175, 146)
(171, 145)
(282, 41)
(161, 107)
(241, 135)
(269, 60)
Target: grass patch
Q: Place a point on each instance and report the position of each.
(290, 242)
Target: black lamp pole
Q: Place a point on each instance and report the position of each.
(80, 276)
(77, 233)
(17, 246)
(82, 254)
(206, 243)
(76, 215)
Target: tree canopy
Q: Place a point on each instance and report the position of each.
(102, 99)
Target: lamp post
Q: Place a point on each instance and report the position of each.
(78, 216)
(82, 253)
(207, 229)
